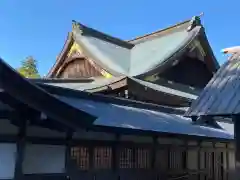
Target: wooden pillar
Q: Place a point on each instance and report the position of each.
(154, 156)
(68, 152)
(91, 148)
(115, 156)
(199, 160)
(236, 120)
(18, 175)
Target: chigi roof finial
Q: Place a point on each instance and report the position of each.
(231, 50)
(195, 21)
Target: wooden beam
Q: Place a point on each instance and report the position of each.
(68, 150)
(5, 114)
(154, 156)
(115, 153)
(12, 102)
(236, 120)
(8, 138)
(18, 175)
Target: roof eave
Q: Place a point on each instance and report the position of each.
(60, 58)
(33, 96)
(179, 51)
(213, 63)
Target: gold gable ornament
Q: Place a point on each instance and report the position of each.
(75, 48)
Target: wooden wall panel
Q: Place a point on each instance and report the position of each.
(79, 68)
(134, 160)
(189, 71)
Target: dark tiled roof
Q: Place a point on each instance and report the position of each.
(72, 93)
(132, 118)
(167, 92)
(23, 92)
(82, 85)
(174, 91)
(221, 96)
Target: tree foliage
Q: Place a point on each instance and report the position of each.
(29, 68)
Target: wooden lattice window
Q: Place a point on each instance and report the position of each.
(209, 163)
(126, 158)
(177, 159)
(134, 158)
(219, 165)
(143, 158)
(102, 157)
(81, 157)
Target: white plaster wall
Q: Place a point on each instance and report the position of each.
(42, 159)
(7, 160)
(7, 128)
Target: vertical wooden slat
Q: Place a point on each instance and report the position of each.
(225, 164)
(68, 149)
(199, 163)
(79, 67)
(203, 163)
(236, 120)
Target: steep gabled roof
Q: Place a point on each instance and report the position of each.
(140, 55)
(132, 59)
(221, 96)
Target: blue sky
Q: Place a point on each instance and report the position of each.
(39, 28)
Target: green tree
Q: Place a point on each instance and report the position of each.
(28, 68)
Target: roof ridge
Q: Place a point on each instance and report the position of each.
(165, 29)
(98, 34)
(158, 31)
